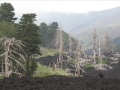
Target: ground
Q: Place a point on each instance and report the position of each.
(93, 80)
(60, 83)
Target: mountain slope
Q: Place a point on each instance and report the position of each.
(81, 25)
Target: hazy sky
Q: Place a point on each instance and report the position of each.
(35, 6)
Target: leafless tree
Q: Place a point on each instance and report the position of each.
(70, 43)
(60, 47)
(11, 47)
(106, 40)
(79, 60)
(57, 40)
(94, 46)
(99, 51)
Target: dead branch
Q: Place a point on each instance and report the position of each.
(9, 44)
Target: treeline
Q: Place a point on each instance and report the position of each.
(31, 35)
(50, 36)
(27, 31)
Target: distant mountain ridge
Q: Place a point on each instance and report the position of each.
(77, 21)
(81, 25)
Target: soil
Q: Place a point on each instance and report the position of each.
(49, 59)
(60, 83)
(111, 73)
(93, 80)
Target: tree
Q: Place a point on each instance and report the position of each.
(48, 34)
(99, 50)
(106, 40)
(7, 12)
(43, 33)
(60, 47)
(11, 63)
(51, 34)
(28, 33)
(79, 59)
(70, 43)
(94, 46)
(7, 29)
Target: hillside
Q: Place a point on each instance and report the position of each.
(82, 25)
(117, 42)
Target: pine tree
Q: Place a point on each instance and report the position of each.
(7, 12)
(28, 32)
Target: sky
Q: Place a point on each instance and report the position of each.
(66, 6)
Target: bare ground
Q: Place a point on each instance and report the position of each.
(60, 83)
(92, 81)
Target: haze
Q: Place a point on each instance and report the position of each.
(60, 6)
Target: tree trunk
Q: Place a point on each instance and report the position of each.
(61, 49)
(6, 61)
(94, 47)
(27, 66)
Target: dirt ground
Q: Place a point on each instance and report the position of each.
(93, 80)
(60, 83)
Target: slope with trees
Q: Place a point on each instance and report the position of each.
(50, 36)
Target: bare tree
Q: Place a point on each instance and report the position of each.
(106, 39)
(11, 47)
(57, 40)
(61, 47)
(94, 46)
(79, 60)
(70, 43)
(99, 54)
(99, 51)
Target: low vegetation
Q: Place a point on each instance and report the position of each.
(43, 71)
(104, 61)
(48, 52)
(88, 65)
(71, 61)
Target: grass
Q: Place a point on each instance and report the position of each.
(88, 65)
(46, 52)
(43, 71)
(1, 77)
(104, 61)
(72, 61)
